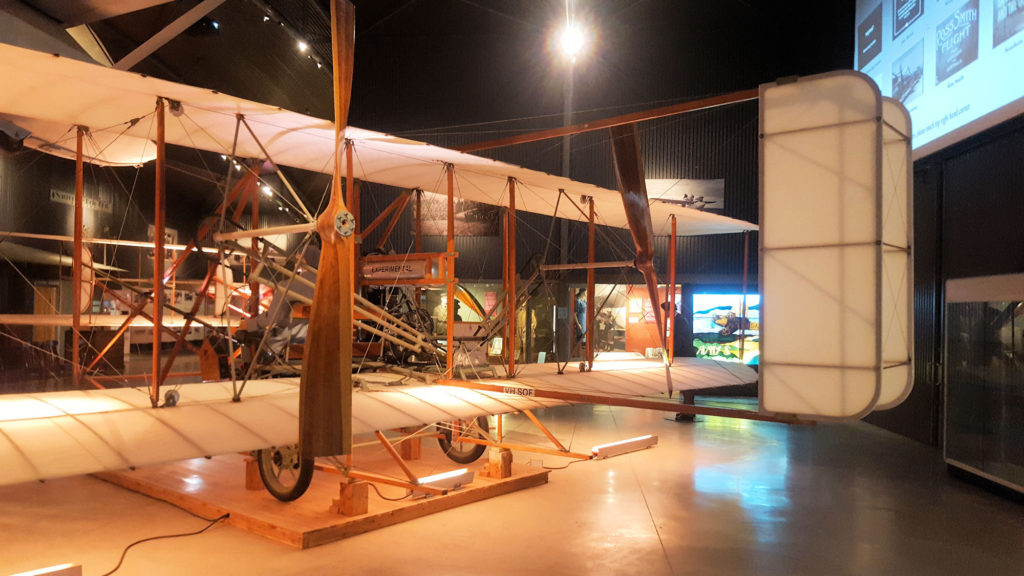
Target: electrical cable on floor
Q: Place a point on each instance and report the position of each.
(383, 497)
(151, 538)
(562, 467)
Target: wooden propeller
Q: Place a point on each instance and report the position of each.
(325, 400)
(629, 169)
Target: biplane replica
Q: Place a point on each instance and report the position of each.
(843, 252)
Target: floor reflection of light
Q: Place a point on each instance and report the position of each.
(756, 480)
(193, 483)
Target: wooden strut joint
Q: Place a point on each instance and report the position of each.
(76, 264)
(397, 457)
(277, 170)
(544, 429)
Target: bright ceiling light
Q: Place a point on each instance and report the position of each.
(571, 41)
(303, 46)
(267, 191)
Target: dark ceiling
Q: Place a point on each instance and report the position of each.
(437, 63)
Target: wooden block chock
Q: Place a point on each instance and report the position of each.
(354, 498)
(499, 463)
(410, 448)
(252, 474)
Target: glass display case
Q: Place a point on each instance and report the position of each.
(985, 378)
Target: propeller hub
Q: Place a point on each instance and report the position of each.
(344, 223)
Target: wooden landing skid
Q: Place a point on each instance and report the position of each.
(217, 486)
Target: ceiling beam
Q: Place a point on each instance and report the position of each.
(167, 34)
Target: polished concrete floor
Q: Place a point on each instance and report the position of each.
(718, 496)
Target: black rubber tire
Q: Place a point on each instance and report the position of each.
(461, 452)
(287, 482)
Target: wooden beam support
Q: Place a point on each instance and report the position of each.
(693, 105)
(167, 34)
(591, 287)
(399, 201)
(76, 264)
(449, 273)
(672, 293)
(544, 429)
(511, 300)
(582, 398)
(158, 252)
(394, 221)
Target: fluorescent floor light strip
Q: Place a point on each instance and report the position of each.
(447, 480)
(624, 446)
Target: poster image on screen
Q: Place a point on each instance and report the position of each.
(869, 37)
(1009, 20)
(908, 74)
(956, 41)
(721, 329)
(955, 64)
(906, 13)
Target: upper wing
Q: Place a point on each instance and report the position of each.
(56, 434)
(117, 108)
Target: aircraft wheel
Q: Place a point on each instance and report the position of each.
(284, 473)
(462, 452)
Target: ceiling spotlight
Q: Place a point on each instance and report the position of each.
(266, 18)
(223, 156)
(303, 46)
(319, 65)
(267, 191)
(571, 41)
(216, 25)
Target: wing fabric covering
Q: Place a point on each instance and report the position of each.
(325, 408)
(118, 108)
(629, 169)
(56, 434)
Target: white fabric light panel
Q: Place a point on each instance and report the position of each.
(835, 267)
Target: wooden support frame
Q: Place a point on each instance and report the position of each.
(672, 293)
(691, 106)
(591, 286)
(76, 263)
(394, 221)
(450, 277)
(632, 402)
(180, 341)
(511, 292)
(396, 205)
(397, 457)
(158, 252)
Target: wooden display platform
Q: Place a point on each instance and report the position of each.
(216, 486)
